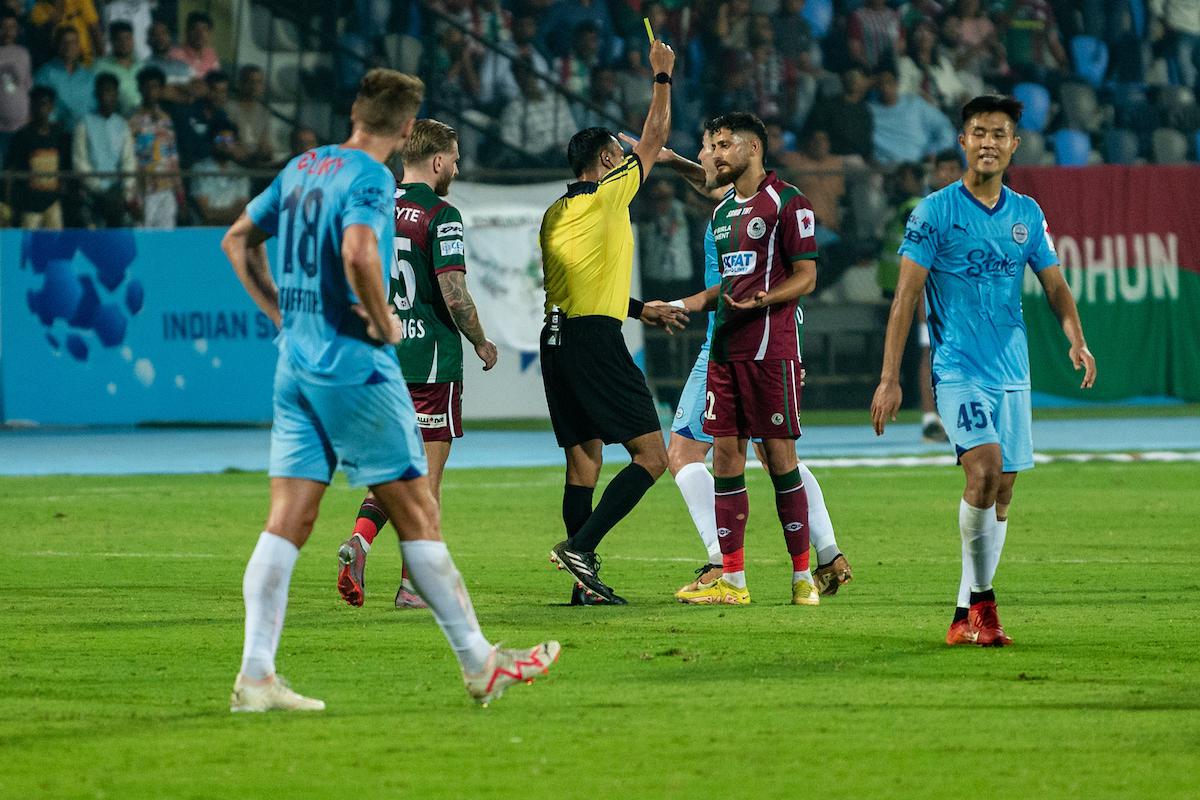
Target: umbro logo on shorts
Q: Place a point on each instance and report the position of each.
(723, 532)
(792, 527)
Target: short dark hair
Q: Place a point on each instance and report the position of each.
(39, 93)
(585, 148)
(195, 17)
(119, 26)
(105, 79)
(151, 74)
(61, 32)
(987, 103)
(949, 154)
(739, 122)
(216, 76)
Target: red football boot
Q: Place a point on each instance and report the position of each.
(983, 617)
(962, 632)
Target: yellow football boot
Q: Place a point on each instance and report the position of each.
(719, 593)
(805, 594)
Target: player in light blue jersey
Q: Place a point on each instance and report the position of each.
(339, 395)
(689, 444)
(967, 246)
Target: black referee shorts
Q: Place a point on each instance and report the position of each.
(593, 388)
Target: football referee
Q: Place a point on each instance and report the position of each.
(595, 393)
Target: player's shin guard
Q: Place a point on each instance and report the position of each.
(440, 585)
(265, 592)
(791, 501)
(696, 486)
(620, 496)
(978, 529)
(371, 519)
(732, 510)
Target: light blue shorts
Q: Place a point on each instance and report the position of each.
(693, 402)
(975, 416)
(371, 429)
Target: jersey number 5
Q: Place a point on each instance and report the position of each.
(307, 213)
(403, 275)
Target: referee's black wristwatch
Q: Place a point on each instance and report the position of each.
(662, 77)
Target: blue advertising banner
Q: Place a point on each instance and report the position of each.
(123, 327)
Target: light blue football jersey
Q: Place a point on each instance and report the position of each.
(306, 208)
(976, 258)
(712, 276)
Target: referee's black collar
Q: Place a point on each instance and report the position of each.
(581, 187)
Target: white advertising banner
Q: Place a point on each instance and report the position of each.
(504, 274)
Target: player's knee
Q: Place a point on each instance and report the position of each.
(983, 480)
(654, 462)
(677, 459)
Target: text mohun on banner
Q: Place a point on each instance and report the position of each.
(1128, 239)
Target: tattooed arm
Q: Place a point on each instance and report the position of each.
(466, 316)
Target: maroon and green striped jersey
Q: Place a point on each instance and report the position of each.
(429, 242)
(758, 240)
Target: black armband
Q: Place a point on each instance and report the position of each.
(635, 308)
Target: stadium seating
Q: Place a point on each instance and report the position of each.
(1036, 99)
(1170, 146)
(1091, 59)
(1080, 107)
(1120, 146)
(1032, 152)
(1071, 148)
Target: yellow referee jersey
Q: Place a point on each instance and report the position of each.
(587, 244)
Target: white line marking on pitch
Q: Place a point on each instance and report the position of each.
(56, 554)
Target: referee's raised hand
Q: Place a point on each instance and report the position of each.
(662, 57)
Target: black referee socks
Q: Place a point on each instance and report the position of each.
(620, 496)
(576, 507)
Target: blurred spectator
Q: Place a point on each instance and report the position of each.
(139, 14)
(874, 35)
(103, 143)
(634, 86)
(177, 74)
(605, 111)
(157, 154)
(794, 36)
(196, 52)
(16, 80)
(906, 128)
(538, 123)
(574, 71)
(122, 64)
(300, 141)
(1035, 51)
(39, 147)
(497, 85)
(732, 27)
(252, 117)
(1181, 19)
(665, 244)
(198, 125)
(926, 71)
(78, 15)
(847, 118)
(781, 149)
(972, 36)
(947, 168)
(821, 176)
(222, 188)
(68, 77)
(557, 28)
(452, 61)
(772, 79)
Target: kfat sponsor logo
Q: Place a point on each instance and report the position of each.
(740, 262)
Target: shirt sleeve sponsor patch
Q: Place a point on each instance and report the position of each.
(453, 248)
(449, 229)
(806, 222)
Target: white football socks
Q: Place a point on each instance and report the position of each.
(978, 527)
(737, 579)
(803, 575)
(440, 585)
(820, 526)
(265, 591)
(968, 571)
(695, 483)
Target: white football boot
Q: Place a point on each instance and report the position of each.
(269, 695)
(506, 667)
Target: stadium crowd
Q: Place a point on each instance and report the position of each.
(853, 90)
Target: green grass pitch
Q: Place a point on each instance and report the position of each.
(121, 633)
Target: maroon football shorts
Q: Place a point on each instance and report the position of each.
(754, 399)
(439, 410)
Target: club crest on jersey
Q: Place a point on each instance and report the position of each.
(741, 262)
(806, 221)
(1020, 233)
(757, 228)
(777, 419)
